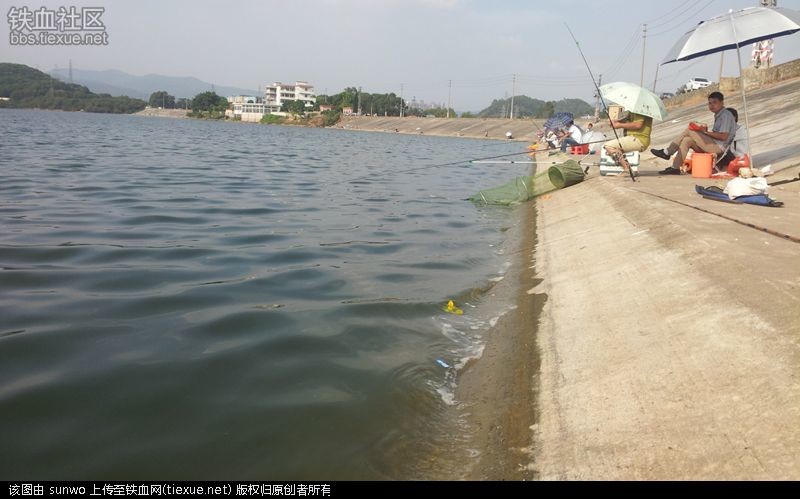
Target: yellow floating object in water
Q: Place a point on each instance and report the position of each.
(452, 309)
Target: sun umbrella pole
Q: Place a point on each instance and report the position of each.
(742, 79)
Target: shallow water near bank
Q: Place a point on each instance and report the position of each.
(189, 299)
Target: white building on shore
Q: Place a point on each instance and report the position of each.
(249, 108)
(277, 93)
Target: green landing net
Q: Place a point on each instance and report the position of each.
(523, 189)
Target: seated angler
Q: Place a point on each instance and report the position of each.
(636, 134)
(701, 139)
(573, 136)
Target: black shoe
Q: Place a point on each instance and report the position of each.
(660, 153)
(670, 171)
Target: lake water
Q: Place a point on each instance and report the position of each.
(200, 300)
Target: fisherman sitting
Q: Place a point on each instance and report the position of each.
(571, 137)
(701, 139)
(636, 134)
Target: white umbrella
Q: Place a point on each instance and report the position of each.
(731, 31)
(635, 99)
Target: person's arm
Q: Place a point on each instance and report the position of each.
(634, 125)
(723, 127)
(722, 136)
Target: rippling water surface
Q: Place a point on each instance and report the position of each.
(189, 299)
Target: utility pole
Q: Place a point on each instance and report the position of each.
(644, 48)
(721, 63)
(449, 91)
(655, 80)
(597, 100)
(401, 100)
(70, 70)
(513, 91)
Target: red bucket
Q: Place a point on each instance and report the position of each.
(582, 149)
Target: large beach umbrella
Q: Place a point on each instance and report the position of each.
(635, 99)
(731, 31)
(559, 120)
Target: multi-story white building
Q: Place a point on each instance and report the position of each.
(278, 92)
(249, 108)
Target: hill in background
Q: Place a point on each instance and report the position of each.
(27, 87)
(527, 107)
(120, 83)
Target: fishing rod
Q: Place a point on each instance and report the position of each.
(478, 160)
(602, 100)
(529, 151)
(580, 162)
(461, 162)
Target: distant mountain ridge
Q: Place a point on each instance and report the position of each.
(116, 82)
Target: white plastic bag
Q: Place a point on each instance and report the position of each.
(746, 187)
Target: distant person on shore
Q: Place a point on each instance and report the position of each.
(572, 136)
(636, 130)
(701, 139)
(588, 137)
(552, 139)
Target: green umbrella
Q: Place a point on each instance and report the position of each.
(635, 99)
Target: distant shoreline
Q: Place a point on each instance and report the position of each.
(163, 113)
(475, 128)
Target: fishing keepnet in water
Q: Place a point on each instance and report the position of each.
(523, 189)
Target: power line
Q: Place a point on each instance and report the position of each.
(692, 16)
(624, 56)
(677, 16)
(670, 13)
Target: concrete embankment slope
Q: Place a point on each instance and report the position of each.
(479, 128)
(670, 339)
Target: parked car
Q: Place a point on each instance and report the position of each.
(697, 84)
(666, 95)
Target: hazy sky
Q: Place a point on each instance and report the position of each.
(379, 44)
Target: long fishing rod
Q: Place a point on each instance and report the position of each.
(461, 162)
(602, 100)
(529, 151)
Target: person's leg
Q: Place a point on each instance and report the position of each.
(568, 142)
(700, 142)
(674, 146)
(623, 145)
(618, 148)
(683, 151)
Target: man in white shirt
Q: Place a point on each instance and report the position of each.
(572, 137)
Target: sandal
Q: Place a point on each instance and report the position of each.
(670, 171)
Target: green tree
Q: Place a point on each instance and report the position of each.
(296, 107)
(162, 99)
(209, 102)
(548, 110)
